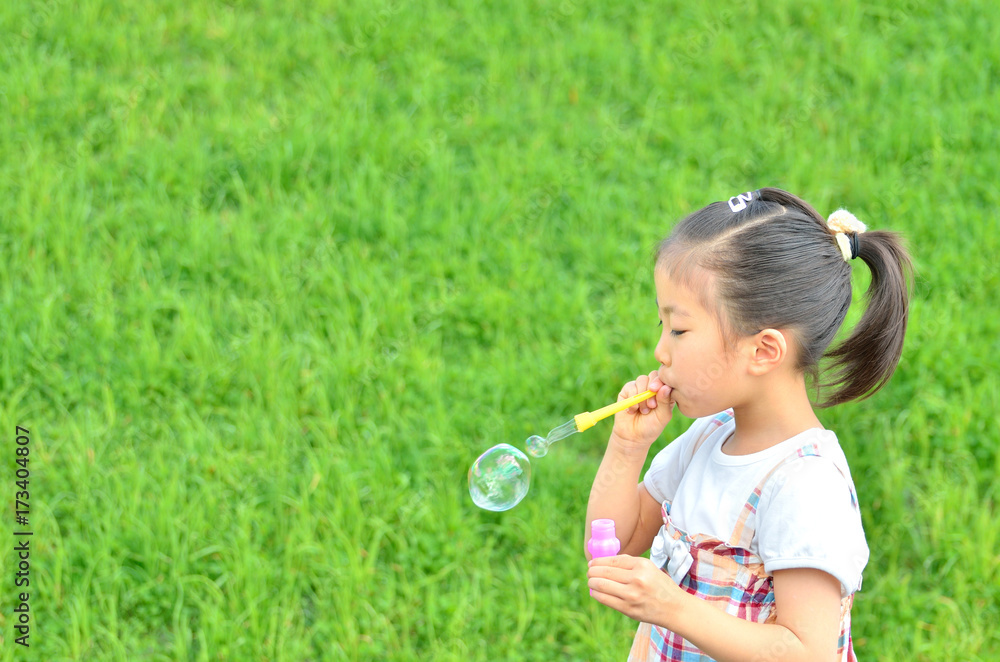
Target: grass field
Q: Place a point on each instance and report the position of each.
(275, 273)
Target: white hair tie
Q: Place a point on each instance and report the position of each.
(846, 228)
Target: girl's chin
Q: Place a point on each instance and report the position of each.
(680, 406)
(693, 411)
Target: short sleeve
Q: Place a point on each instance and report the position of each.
(811, 519)
(668, 466)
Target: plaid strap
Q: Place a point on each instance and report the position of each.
(745, 527)
(717, 422)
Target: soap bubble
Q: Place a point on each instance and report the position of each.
(499, 479)
(537, 446)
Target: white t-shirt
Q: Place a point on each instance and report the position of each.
(806, 517)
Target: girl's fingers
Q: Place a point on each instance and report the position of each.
(663, 394)
(641, 384)
(653, 384)
(603, 587)
(627, 392)
(616, 575)
(654, 381)
(650, 382)
(626, 561)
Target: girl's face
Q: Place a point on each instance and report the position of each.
(694, 358)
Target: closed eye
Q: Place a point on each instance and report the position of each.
(676, 333)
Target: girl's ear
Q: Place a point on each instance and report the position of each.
(768, 349)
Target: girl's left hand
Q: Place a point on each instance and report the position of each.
(634, 586)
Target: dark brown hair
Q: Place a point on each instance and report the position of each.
(773, 263)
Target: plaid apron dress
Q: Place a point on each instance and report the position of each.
(731, 578)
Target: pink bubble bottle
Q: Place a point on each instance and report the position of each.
(602, 538)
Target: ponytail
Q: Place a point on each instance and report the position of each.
(865, 361)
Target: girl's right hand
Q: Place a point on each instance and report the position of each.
(641, 425)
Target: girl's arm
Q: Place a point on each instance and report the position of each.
(616, 493)
(807, 603)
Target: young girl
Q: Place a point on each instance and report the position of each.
(751, 517)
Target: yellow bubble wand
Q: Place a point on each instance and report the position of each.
(539, 446)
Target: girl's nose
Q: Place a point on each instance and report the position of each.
(660, 352)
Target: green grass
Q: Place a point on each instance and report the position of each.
(275, 273)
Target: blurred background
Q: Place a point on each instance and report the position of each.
(275, 273)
